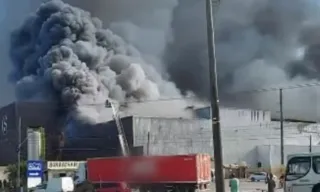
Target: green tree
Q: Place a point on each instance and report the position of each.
(12, 172)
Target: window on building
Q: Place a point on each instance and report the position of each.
(62, 174)
(253, 116)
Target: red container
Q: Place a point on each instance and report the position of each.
(151, 169)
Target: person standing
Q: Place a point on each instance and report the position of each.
(270, 182)
(281, 181)
(234, 183)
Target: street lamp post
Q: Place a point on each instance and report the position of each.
(18, 150)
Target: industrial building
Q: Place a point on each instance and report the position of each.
(31, 115)
(50, 117)
(162, 127)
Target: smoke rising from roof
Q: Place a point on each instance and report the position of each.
(64, 54)
(260, 43)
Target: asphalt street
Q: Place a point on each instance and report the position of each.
(247, 186)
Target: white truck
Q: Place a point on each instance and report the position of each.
(63, 184)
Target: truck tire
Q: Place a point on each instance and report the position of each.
(84, 187)
(316, 188)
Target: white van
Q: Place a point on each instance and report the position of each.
(64, 184)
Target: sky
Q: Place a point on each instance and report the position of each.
(6, 93)
(11, 16)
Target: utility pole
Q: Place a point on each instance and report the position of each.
(215, 113)
(148, 143)
(19, 154)
(281, 126)
(310, 143)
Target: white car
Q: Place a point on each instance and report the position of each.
(259, 176)
(63, 184)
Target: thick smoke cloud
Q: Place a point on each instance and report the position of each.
(63, 54)
(10, 15)
(259, 44)
(248, 33)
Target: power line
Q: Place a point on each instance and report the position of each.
(288, 87)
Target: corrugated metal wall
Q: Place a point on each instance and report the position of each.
(172, 136)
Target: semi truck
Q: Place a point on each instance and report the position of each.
(145, 173)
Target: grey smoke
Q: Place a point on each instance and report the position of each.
(62, 53)
(260, 43)
(11, 15)
(257, 44)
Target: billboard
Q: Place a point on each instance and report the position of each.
(34, 173)
(34, 169)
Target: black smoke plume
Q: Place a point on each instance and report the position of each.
(260, 43)
(62, 53)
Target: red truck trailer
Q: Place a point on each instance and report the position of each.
(153, 173)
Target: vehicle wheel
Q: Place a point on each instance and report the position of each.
(316, 188)
(84, 187)
(253, 179)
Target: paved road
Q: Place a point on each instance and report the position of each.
(247, 186)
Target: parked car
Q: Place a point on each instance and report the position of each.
(259, 176)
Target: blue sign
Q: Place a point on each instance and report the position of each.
(34, 169)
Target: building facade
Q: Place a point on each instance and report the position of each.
(147, 132)
(56, 169)
(17, 118)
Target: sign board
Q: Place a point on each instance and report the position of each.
(34, 169)
(63, 165)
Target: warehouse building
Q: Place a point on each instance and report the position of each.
(163, 127)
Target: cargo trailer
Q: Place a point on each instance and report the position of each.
(150, 173)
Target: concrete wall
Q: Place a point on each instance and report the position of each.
(240, 143)
(236, 117)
